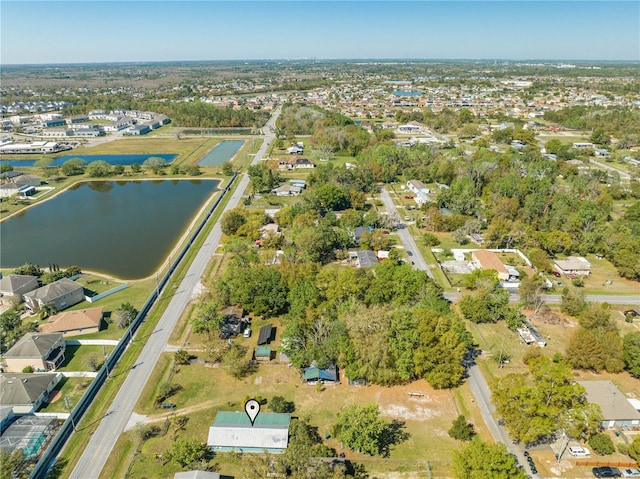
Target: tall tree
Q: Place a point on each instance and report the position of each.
(482, 460)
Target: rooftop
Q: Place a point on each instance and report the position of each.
(612, 401)
(33, 345)
(489, 260)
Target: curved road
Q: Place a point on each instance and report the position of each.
(114, 422)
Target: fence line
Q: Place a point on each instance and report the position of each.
(46, 460)
(104, 294)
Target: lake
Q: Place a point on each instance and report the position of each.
(407, 93)
(125, 160)
(122, 228)
(220, 153)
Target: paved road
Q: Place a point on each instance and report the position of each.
(405, 236)
(114, 422)
(620, 299)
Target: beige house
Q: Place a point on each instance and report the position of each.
(489, 260)
(41, 351)
(73, 323)
(62, 294)
(572, 266)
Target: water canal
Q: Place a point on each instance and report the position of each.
(222, 152)
(125, 229)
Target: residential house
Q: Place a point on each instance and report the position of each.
(74, 323)
(62, 294)
(488, 260)
(573, 266)
(233, 432)
(366, 258)
(616, 409)
(41, 351)
(25, 393)
(16, 285)
(419, 190)
(286, 190)
(295, 163)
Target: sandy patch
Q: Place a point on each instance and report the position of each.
(416, 413)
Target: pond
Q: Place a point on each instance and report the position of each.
(220, 153)
(122, 228)
(124, 160)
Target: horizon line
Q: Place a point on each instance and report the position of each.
(319, 59)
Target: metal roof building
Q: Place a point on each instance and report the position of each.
(265, 334)
(196, 475)
(233, 432)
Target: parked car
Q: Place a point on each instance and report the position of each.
(579, 451)
(408, 197)
(631, 472)
(556, 274)
(247, 333)
(606, 471)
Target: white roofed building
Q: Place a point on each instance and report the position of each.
(233, 432)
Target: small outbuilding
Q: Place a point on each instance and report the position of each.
(314, 374)
(264, 337)
(262, 353)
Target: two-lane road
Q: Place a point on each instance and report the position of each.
(405, 236)
(114, 422)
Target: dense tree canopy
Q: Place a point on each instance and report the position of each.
(483, 460)
(536, 405)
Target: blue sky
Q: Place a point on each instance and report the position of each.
(107, 31)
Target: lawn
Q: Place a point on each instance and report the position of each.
(76, 357)
(71, 388)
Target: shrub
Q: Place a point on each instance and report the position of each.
(182, 357)
(461, 429)
(602, 444)
(28, 369)
(280, 404)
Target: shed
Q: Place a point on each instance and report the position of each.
(314, 373)
(263, 353)
(264, 337)
(233, 432)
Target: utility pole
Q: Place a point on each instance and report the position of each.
(68, 406)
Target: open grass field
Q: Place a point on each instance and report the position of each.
(206, 390)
